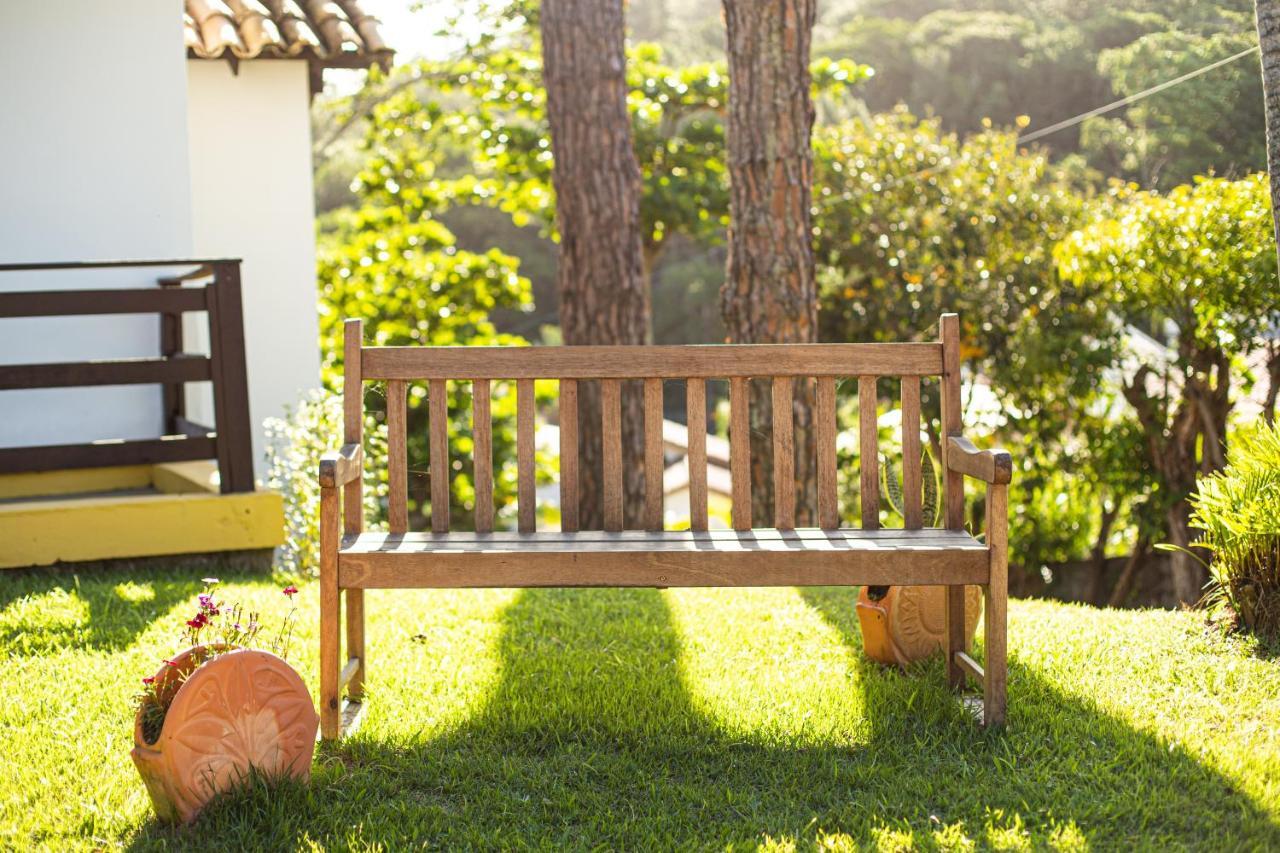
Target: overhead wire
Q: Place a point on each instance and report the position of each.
(1097, 111)
(1131, 99)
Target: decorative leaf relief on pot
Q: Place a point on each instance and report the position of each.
(243, 710)
(919, 619)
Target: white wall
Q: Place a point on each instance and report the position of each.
(252, 198)
(93, 138)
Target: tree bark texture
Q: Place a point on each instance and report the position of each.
(600, 273)
(1267, 13)
(1184, 446)
(1268, 17)
(769, 295)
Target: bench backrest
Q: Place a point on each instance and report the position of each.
(611, 365)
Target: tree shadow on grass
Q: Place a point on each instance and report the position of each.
(99, 606)
(590, 739)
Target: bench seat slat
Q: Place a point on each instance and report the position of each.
(676, 558)
(925, 536)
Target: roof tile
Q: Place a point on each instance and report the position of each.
(327, 33)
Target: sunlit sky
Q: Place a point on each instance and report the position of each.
(412, 34)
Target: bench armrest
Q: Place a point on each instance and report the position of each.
(339, 467)
(990, 466)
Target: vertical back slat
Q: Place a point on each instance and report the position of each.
(482, 454)
(740, 451)
(569, 454)
(953, 491)
(611, 437)
(438, 400)
(911, 473)
(653, 454)
(397, 458)
(869, 452)
(784, 487)
(525, 488)
(953, 497)
(352, 420)
(825, 422)
(352, 493)
(696, 406)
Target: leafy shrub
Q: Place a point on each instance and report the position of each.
(1238, 509)
(295, 444)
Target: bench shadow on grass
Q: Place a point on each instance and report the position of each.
(590, 738)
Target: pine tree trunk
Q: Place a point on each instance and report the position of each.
(1268, 17)
(600, 274)
(769, 295)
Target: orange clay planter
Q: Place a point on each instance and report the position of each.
(243, 709)
(908, 624)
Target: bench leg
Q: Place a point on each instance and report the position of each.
(995, 618)
(955, 635)
(355, 641)
(330, 616)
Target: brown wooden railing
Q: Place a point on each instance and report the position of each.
(218, 294)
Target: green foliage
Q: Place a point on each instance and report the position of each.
(892, 483)
(494, 106)
(394, 265)
(911, 222)
(975, 61)
(1187, 266)
(1170, 137)
(295, 444)
(1237, 510)
(1195, 257)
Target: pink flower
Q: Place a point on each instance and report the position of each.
(170, 663)
(150, 679)
(290, 590)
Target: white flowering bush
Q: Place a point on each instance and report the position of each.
(295, 444)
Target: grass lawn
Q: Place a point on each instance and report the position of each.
(644, 719)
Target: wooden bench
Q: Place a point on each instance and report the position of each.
(352, 560)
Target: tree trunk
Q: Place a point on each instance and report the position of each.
(769, 295)
(600, 273)
(1184, 446)
(1268, 18)
(1098, 558)
(1124, 583)
(1188, 575)
(1273, 382)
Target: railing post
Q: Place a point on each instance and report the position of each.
(171, 344)
(230, 380)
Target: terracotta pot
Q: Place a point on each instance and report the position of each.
(908, 623)
(246, 708)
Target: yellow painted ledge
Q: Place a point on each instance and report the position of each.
(184, 515)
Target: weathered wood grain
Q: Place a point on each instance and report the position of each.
(568, 454)
(740, 451)
(663, 362)
(482, 452)
(438, 427)
(526, 494)
(696, 459)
